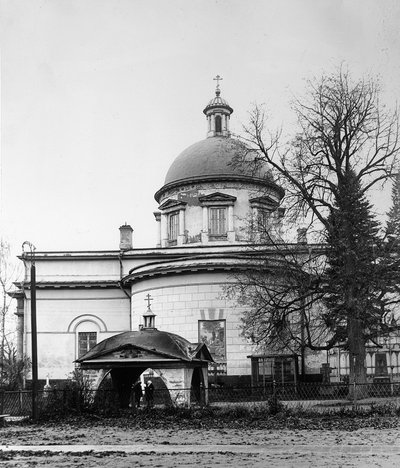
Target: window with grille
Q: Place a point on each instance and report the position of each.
(86, 341)
(217, 221)
(173, 226)
(264, 218)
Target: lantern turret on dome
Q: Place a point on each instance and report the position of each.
(218, 113)
(149, 317)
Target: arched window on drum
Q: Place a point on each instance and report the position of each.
(218, 124)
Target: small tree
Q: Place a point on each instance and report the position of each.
(8, 273)
(14, 369)
(5, 301)
(347, 144)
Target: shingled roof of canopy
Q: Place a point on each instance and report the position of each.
(163, 343)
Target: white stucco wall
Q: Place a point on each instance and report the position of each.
(62, 313)
(180, 301)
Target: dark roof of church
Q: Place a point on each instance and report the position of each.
(149, 339)
(214, 157)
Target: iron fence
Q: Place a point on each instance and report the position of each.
(316, 396)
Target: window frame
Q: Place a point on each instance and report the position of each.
(264, 217)
(219, 201)
(224, 357)
(88, 346)
(173, 227)
(221, 225)
(172, 207)
(267, 211)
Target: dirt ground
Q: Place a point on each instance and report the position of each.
(365, 447)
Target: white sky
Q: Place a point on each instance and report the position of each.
(99, 96)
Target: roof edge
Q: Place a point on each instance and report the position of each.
(220, 177)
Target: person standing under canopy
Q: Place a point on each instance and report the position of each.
(149, 394)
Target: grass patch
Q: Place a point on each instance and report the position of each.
(264, 415)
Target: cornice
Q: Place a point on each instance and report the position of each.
(226, 262)
(217, 197)
(69, 285)
(172, 204)
(219, 178)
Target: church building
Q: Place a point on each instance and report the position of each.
(85, 297)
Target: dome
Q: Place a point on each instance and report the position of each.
(219, 157)
(212, 158)
(217, 101)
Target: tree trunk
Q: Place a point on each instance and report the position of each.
(357, 357)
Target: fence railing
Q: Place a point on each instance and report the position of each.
(306, 395)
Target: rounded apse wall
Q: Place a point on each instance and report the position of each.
(193, 305)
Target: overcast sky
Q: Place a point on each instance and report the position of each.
(99, 96)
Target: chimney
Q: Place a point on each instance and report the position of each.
(302, 236)
(125, 236)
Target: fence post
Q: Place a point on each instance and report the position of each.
(354, 395)
(274, 398)
(2, 401)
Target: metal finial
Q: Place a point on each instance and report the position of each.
(218, 79)
(148, 299)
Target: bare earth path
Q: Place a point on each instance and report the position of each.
(120, 447)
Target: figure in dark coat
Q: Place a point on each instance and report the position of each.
(149, 394)
(137, 390)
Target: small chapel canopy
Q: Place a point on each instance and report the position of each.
(147, 346)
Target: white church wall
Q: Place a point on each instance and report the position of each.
(193, 223)
(90, 266)
(181, 301)
(62, 313)
(71, 269)
(56, 309)
(55, 354)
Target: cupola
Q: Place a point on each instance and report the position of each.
(218, 113)
(149, 317)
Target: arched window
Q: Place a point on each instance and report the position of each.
(218, 124)
(86, 329)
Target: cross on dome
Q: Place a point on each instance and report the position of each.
(148, 299)
(218, 112)
(149, 317)
(218, 79)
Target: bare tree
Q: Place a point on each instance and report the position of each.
(346, 145)
(7, 275)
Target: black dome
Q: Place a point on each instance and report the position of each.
(210, 158)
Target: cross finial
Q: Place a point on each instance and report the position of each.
(148, 299)
(218, 79)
